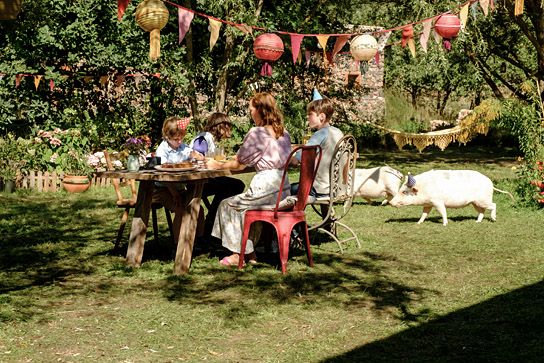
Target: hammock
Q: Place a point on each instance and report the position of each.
(462, 133)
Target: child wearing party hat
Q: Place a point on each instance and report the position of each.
(319, 114)
(172, 149)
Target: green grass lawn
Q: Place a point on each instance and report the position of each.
(465, 292)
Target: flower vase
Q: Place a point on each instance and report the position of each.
(133, 163)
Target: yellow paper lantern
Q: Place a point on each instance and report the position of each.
(152, 16)
(364, 47)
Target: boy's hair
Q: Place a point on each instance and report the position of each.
(218, 125)
(170, 128)
(324, 106)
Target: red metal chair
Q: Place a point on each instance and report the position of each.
(288, 212)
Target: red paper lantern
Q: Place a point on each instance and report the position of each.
(447, 26)
(268, 47)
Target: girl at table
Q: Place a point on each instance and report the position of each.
(267, 147)
(172, 149)
(217, 128)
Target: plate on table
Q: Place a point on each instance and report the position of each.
(160, 168)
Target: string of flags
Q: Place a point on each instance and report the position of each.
(185, 17)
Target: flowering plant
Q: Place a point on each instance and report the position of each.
(12, 158)
(138, 145)
(539, 183)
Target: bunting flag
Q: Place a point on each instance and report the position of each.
(492, 5)
(437, 37)
(18, 78)
(322, 39)
(485, 3)
(296, 39)
(137, 79)
(339, 44)
(407, 33)
(377, 59)
(121, 7)
(1, 77)
(103, 80)
(51, 85)
(184, 22)
(215, 25)
(518, 7)
(308, 56)
(120, 80)
(299, 60)
(329, 58)
(463, 15)
(425, 35)
(412, 46)
(473, 6)
(87, 78)
(37, 80)
(382, 41)
(244, 29)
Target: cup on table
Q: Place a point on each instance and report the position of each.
(219, 154)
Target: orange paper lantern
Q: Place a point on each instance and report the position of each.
(447, 26)
(268, 47)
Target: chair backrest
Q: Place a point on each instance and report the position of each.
(309, 162)
(111, 157)
(342, 173)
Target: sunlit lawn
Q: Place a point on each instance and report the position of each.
(466, 292)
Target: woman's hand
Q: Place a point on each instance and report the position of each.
(212, 164)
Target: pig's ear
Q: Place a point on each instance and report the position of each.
(414, 190)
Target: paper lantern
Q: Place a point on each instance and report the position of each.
(152, 16)
(9, 9)
(407, 33)
(447, 26)
(268, 47)
(363, 47)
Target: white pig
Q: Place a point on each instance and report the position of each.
(448, 189)
(375, 183)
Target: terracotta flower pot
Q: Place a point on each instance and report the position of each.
(75, 183)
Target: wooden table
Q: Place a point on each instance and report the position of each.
(194, 180)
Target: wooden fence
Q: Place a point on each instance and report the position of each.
(51, 182)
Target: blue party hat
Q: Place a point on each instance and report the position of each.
(317, 96)
(411, 181)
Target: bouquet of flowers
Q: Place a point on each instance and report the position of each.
(138, 145)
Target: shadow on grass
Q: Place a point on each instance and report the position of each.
(506, 328)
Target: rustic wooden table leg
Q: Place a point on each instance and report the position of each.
(136, 241)
(184, 251)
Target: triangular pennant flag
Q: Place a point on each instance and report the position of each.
(37, 80)
(473, 6)
(157, 75)
(121, 7)
(485, 3)
(215, 25)
(492, 5)
(339, 44)
(51, 85)
(322, 39)
(329, 58)
(518, 7)
(299, 60)
(296, 39)
(377, 59)
(18, 78)
(308, 56)
(103, 80)
(120, 80)
(425, 35)
(407, 33)
(463, 15)
(1, 77)
(437, 37)
(412, 46)
(184, 22)
(244, 28)
(137, 79)
(383, 41)
(87, 78)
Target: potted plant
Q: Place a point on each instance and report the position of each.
(11, 162)
(77, 171)
(136, 149)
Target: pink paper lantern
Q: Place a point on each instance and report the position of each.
(447, 26)
(268, 47)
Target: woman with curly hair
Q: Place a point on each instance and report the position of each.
(266, 146)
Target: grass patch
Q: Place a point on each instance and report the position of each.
(466, 292)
